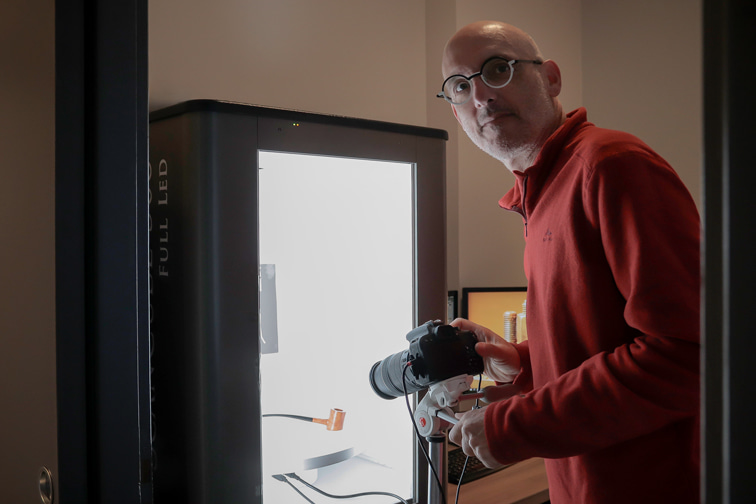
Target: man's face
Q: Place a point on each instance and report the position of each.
(506, 121)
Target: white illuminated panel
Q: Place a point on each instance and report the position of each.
(339, 233)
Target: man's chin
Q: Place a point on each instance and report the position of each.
(500, 146)
(493, 149)
(500, 132)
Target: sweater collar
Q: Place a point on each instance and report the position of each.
(546, 157)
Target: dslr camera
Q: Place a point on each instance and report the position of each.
(437, 352)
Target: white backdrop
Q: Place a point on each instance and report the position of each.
(340, 234)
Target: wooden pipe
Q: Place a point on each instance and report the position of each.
(335, 421)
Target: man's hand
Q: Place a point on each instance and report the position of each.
(500, 358)
(470, 434)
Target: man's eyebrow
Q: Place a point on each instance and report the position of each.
(495, 56)
(498, 56)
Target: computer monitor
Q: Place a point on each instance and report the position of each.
(501, 309)
(289, 252)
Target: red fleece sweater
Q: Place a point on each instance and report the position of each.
(612, 361)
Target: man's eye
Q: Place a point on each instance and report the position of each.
(500, 69)
(461, 86)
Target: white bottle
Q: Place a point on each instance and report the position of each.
(522, 325)
(510, 326)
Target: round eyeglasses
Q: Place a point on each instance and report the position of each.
(495, 72)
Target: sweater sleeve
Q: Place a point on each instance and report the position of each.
(525, 378)
(649, 230)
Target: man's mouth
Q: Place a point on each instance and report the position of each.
(491, 117)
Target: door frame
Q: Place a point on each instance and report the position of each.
(728, 251)
(102, 310)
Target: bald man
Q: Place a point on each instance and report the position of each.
(611, 367)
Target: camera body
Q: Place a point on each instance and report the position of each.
(437, 352)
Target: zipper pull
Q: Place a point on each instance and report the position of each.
(524, 193)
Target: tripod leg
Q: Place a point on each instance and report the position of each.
(437, 452)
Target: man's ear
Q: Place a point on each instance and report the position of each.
(553, 76)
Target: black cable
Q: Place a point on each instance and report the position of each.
(480, 387)
(297, 417)
(350, 496)
(459, 483)
(417, 431)
(467, 459)
(281, 477)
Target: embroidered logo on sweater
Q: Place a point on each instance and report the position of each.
(547, 236)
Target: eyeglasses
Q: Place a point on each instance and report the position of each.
(495, 72)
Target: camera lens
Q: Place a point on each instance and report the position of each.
(437, 352)
(386, 377)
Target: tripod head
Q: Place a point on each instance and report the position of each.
(433, 413)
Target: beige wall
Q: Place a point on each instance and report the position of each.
(327, 56)
(28, 437)
(441, 21)
(642, 69)
(381, 60)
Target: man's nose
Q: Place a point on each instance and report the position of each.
(481, 93)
